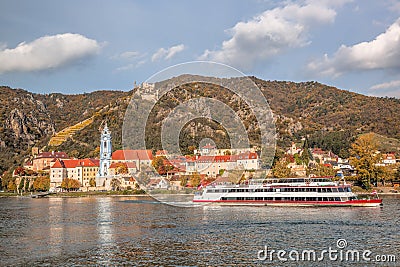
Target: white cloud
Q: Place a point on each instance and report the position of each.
(47, 52)
(130, 66)
(166, 54)
(381, 53)
(271, 33)
(130, 54)
(387, 85)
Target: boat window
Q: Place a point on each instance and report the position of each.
(334, 190)
(348, 189)
(337, 198)
(329, 190)
(341, 189)
(278, 198)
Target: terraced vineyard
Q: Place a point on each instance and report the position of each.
(68, 132)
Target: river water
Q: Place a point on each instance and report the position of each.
(139, 231)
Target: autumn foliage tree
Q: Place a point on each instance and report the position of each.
(195, 179)
(280, 169)
(161, 165)
(41, 183)
(364, 157)
(70, 184)
(121, 168)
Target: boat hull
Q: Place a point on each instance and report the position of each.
(349, 203)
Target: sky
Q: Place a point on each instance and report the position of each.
(82, 46)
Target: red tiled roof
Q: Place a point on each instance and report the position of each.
(221, 158)
(248, 155)
(132, 155)
(73, 163)
(58, 164)
(389, 156)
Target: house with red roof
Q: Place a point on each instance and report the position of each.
(141, 158)
(213, 165)
(82, 170)
(46, 159)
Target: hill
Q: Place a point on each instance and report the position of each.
(28, 119)
(329, 117)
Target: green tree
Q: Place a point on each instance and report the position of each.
(364, 157)
(306, 155)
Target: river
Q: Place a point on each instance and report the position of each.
(139, 231)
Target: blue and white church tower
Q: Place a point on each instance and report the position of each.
(105, 152)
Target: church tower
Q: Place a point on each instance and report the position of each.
(105, 152)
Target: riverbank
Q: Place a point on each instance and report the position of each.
(138, 193)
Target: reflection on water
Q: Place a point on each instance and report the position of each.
(140, 231)
(105, 230)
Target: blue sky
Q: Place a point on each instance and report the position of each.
(82, 46)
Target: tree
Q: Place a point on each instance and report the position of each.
(42, 183)
(322, 170)
(92, 182)
(280, 169)
(195, 179)
(11, 187)
(364, 157)
(184, 180)
(115, 184)
(121, 168)
(384, 174)
(227, 153)
(306, 155)
(70, 184)
(161, 165)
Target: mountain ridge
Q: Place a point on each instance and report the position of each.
(306, 109)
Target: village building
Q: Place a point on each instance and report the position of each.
(293, 149)
(44, 160)
(141, 158)
(388, 159)
(115, 168)
(324, 156)
(82, 170)
(214, 165)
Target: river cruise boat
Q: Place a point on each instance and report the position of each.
(315, 191)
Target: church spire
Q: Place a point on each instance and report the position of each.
(105, 151)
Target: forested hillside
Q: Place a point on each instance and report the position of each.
(329, 117)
